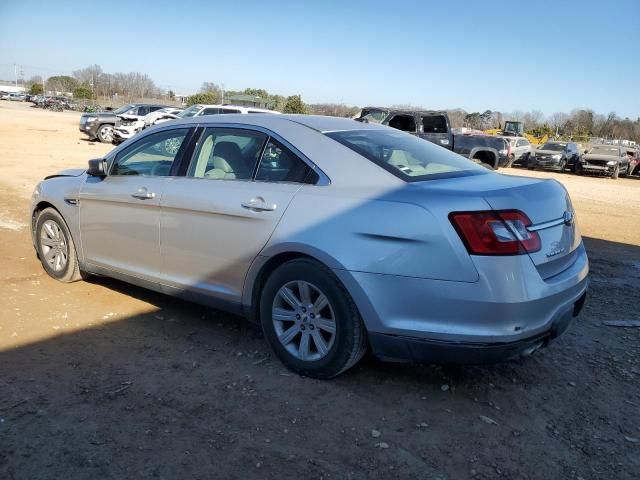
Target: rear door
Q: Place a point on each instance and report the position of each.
(217, 218)
(120, 214)
(435, 128)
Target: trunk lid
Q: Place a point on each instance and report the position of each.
(545, 202)
(548, 206)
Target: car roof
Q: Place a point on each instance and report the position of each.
(318, 123)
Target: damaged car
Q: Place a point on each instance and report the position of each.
(605, 160)
(128, 125)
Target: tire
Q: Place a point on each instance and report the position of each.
(531, 165)
(339, 349)
(51, 235)
(616, 172)
(579, 170)
(626, 171)
(105, 133)
(563, 165)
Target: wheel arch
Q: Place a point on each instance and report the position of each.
(484, 151)
(268, 261)
(42, 205)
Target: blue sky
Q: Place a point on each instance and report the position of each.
(551, 56)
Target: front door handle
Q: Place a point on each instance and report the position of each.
(258, 205)
(143, 194)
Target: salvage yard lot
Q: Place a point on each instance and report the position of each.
(100, 379)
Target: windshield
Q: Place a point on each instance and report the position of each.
(554, 147)
(190, 112)
(123, 109)
(605, 150)
(407, 157)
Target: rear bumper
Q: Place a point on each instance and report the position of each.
(509, 309)
(421, 350)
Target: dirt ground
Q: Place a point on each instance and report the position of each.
(100, 379)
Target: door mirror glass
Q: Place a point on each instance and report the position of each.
(97, 167)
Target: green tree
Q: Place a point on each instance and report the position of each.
(36, 89)
(172, 95)
(62, 83)
(203, 97)
(82, 91)
(294, 104)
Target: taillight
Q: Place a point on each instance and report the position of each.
(502, 232)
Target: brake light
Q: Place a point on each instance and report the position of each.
(502, 232)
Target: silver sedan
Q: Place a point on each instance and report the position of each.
(336, 236)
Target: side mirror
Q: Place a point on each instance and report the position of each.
(97, 167)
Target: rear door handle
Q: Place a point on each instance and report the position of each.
(258, 205)
(143, 194)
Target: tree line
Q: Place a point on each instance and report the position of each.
(579, 124)
(93, 83)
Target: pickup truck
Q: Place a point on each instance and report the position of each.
(435, 127)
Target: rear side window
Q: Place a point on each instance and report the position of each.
(279, 164)
(434, 124)
(406, 123)
(407, 157)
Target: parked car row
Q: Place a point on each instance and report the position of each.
(13, 96)
(507, 151)
(119, 125)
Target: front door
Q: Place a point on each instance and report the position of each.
(218, 218)
(120, 214)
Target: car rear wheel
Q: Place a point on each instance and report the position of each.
(55, 247)
(105, 133)
(310, 320)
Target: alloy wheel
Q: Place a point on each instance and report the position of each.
(106, 133)
(54, 246)
(304, 320)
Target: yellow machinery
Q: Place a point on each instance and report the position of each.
(516, 129)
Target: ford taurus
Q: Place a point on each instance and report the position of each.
(336, 236)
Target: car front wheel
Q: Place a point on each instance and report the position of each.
(105, 133)
(55, 247)
(310, 320)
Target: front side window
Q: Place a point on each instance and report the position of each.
(210, 111)
(407, 157)
(279, 164)
(153, 155)
(229, 110)
(227, 154)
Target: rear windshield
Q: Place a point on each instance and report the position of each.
(434, 124)
(406, 156)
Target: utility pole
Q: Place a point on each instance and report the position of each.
(15, 72)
